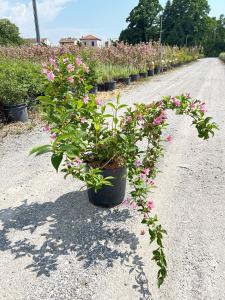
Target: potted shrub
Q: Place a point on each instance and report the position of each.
(134, 74)
(97, 142)
(20, 83)
(108, 78)
(125, 76)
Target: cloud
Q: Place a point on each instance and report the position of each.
(20, 12)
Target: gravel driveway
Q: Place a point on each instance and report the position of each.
(55, 245)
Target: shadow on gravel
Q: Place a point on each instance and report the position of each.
(71, 225)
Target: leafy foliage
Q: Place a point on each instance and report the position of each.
(143, 23)
(9, 33)
(89, 135)
(20, 81)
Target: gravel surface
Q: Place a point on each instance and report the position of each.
(55, 245)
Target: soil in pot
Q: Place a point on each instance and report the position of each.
(134, 77)
(110, 196)
(110, 85)
(143, 74)
(151, 72)
(16, 113)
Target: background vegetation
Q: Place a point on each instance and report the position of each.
(184, 23)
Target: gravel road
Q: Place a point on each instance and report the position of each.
(55, 245)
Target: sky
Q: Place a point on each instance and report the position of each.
(74, 18)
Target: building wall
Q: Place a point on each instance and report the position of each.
(91, 43)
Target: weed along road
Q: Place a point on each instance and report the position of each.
(54, 244)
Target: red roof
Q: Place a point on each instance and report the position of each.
(89, 37)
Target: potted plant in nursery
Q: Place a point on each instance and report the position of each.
(110, 83)
(97, 142)
(20, 83)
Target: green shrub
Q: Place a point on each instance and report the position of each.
(20, 81)
(222, 56)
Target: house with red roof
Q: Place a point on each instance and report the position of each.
(90, 41)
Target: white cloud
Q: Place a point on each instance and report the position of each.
(21, 13)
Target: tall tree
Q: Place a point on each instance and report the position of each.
(214, 42)
(9, 33)
(143, 22)
(187, 22)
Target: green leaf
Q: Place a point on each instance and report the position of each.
(56, 160)
(41, 150)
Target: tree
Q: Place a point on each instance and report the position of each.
(185, 22)
(143, 22)
(215, 40)
(9, 33)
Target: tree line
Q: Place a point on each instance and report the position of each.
(184, 23)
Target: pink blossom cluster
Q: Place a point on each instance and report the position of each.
(159, 120)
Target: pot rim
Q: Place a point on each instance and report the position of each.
(14, 105)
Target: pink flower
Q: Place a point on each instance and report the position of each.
(46, 128)
(163, 115)
(143, 176)
(78, 161)
(193, 105)
(129, 119)
(86, 99)
(83, 120)
(150, 182)
(50, 76)
(176, 102)
(150, 204)
(86, 68)
(70, 68)
(53, 136)
(146, 171)
(52, 61)
(142, 232)
(203, 108)
(169, 138)
(157, 121)
(137, 163)
(78, 61)
(45, 71)
(133, 205)
(99, 101)
(70, 79)
(127, 202)
(188, 96)
(65, 60)
(140, 118)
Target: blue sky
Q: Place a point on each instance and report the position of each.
(61, 18)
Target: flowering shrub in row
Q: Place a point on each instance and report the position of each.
(89, 134)
(122, 58)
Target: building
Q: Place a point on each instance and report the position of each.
(68, 42)
(44, 41)
(90, 41)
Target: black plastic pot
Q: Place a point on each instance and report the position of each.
(94, 90)
(134, 77)
(143, 74)
(151, 72)
(110, 196)
(126, 80)
(101, 87)
(15, 113)
(110, 85)
(158, 70)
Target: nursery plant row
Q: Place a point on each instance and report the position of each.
(21, 80)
